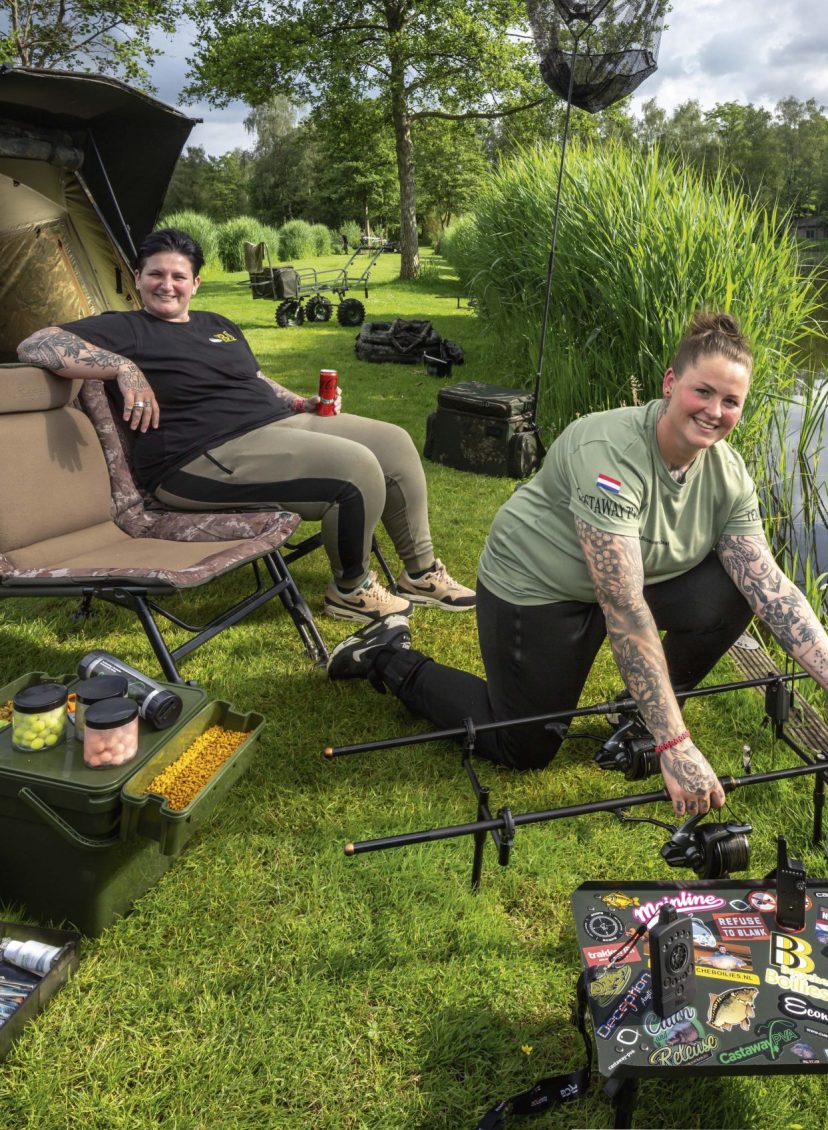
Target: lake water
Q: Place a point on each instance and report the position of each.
(809, 532)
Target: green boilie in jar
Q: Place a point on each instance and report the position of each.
(39, 717)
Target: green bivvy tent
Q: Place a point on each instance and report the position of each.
(85, 162)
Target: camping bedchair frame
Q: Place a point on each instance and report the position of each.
(290, 288)
(66, 529)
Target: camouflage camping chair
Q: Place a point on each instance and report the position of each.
(73, 523)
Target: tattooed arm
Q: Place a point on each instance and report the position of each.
(297, 403)
(776, 601)
(70, 356)
(617, 573)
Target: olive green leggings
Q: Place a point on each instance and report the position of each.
(348, 472)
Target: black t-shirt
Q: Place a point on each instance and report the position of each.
(203, 374)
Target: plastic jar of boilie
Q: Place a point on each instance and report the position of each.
(39, 717)
(111, 733)
(94, 690)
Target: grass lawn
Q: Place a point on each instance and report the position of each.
(270, 982)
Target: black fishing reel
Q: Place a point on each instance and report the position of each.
(711, 850)
(630, 750)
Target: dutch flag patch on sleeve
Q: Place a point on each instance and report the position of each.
(605, 482)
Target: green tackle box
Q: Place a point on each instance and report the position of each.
(71, 848)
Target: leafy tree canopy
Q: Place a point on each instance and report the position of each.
(109, 37)
(446, 58)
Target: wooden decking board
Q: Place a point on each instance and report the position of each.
(805, 726)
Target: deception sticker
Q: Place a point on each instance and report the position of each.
(636, 998)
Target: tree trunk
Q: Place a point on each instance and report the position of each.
(410, 266)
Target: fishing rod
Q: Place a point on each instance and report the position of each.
(614, 706)
(712, 849)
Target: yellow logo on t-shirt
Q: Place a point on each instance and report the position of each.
(225, 335)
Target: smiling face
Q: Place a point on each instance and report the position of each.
(701, 406)
(166, 285)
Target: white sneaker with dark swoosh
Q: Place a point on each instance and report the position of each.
(437, 589)
(354, 657)
(367, 603)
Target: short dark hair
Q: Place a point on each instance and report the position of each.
(712, 333)
(170, 239)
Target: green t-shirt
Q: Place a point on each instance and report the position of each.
(607, 470)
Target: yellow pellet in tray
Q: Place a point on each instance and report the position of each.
(189, 773)
(5, 713)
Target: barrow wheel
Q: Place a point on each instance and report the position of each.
(351, 312)
(319, 309)
(289, 313)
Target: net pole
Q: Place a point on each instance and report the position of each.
(550, 267)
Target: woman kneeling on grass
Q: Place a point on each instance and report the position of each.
(641, 520)
(212, 435)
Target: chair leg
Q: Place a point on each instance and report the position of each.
(283, 586)
(295, 552)
(157, 642)
(297, 608)
(383, 564)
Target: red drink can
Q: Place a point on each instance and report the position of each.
(328, 379)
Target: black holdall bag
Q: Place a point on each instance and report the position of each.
(406, 342)
(484, 428)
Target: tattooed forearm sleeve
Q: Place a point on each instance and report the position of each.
(70, 356)
(617, 573)
(776, 601)
(292, 401)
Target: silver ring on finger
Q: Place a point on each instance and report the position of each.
(138, 404)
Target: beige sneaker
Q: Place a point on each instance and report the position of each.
(438, 589)
(369, 602)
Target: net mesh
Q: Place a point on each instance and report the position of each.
(615, 45)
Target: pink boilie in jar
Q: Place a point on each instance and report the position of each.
(111, 734)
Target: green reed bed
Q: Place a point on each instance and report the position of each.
(269, 983)
(641, 244)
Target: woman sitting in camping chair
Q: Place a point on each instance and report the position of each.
(210, 434)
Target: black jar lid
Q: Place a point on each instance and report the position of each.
(40, 698)
(110, 713)
(104, 686)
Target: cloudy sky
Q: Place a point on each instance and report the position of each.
(713, 50)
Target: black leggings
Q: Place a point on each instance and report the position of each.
(537, 659)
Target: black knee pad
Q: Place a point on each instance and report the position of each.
(396, 666)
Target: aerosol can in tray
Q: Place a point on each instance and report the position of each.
(156, 704)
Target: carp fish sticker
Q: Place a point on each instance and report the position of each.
(619, 899)
(731, 1008)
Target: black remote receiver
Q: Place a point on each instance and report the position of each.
(790, 888)
(672, 967)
